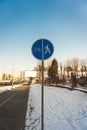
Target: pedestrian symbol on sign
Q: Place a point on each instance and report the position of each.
(47, 49)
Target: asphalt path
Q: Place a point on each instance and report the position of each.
(13, 106)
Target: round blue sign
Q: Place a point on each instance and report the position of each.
(42, 49)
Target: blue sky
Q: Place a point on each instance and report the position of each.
(22, 22)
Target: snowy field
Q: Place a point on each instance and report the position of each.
(63, 109)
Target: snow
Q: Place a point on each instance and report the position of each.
(5, 88)
(8, 87)
(63, 109)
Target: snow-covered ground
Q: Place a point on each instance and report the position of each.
(63, 109)
(8, 87)
(5, 88)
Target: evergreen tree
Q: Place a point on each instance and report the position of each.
(53, 69)
(50, 72)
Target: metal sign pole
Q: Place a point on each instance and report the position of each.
(42, 91)
(42, 49)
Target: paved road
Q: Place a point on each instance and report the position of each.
(13, 106)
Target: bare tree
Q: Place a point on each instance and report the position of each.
(75, 64)
(4, 76)
(68, 67)
(86, 66)
(61, 69)
(82, 66)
